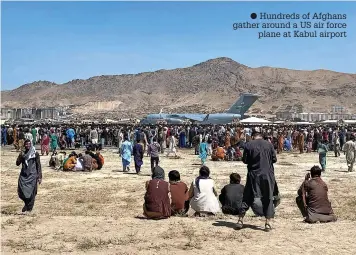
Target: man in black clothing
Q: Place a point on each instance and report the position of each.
(30, 175)
(261, 187)
(231, 195)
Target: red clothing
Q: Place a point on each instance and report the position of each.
(238, 153)
(101, 158)
(325, 136)
(157, 199)
(45, 145)
(179, 194)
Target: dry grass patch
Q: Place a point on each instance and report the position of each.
(23, 245)
(96, 242)
(9, 209)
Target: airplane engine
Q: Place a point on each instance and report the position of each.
(174, 121)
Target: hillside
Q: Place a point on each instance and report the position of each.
(209, 86)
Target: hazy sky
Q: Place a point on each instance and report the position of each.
(61, 41)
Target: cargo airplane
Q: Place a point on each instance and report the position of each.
(236, 112)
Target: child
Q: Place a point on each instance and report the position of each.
(322, 150)
(61, 160)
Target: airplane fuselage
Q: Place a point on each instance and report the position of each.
(181, 118)
(235, 112)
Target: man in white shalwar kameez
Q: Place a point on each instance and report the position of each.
(172, 146)
(350, 152)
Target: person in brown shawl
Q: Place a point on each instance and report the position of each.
(301, 142)
(157, 202)
(280, 143)
(16, 143)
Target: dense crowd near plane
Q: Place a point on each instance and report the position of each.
(229, 142)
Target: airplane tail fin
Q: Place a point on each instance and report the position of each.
(206, 117)
(242, 105)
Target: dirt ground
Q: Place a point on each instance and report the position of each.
(101, 212)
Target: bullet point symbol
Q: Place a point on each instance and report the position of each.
(253, 15)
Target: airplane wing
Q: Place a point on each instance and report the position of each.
(193, 117)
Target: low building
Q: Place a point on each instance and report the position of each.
(313, 116)
(33, 113)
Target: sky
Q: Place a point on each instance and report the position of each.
(62, 41)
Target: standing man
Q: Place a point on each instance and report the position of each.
(172, 145)
(301, 141)
(138, 155)
(29, 136)
(153, 150)
(94, 136)
(34, 135)
(3, 136)
(70, 137)
(261, 186)
(126, 152)
(336, 143)
(30, 176)
(350, 151)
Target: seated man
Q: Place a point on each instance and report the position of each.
(203, 195)
(79, 165)
(71, 162)
(87, 161)
(53, 160)
(313, 199)
(231, 195)
(60, 160)
(238, 154)
(77, 145)
(230, 153)
(179, 194)
(98, 147)
(94, 147)
(96, 163)
(218, 154)
(100, 160)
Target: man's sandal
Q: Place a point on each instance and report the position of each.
(239, 224)
(268, 227)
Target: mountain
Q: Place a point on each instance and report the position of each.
(211, 86)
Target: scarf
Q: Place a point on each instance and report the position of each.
(158, 173)
(197, 180)
(30, 154)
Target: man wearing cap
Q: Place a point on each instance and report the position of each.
(312, 200)
(350, 152)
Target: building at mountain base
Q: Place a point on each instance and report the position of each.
(287, 112)
(34, 113)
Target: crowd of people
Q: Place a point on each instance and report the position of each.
(255, 146)
(218, 142)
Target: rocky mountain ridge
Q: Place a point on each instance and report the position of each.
(212, 85)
